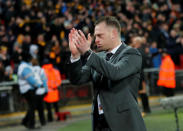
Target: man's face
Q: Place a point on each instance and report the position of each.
(103, 34)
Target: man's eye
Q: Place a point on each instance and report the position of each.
(100, 36)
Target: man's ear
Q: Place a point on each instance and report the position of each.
(114, 34)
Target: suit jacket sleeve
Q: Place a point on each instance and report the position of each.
(129, 63)
(79, 74)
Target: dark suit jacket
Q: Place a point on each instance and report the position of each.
(118, 91)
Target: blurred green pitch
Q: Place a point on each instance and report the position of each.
(160, 120)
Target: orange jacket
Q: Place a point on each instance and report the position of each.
(167, 73)
(54, 80)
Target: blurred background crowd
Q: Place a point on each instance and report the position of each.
(41, 28)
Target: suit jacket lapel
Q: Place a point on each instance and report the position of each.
(123, 45)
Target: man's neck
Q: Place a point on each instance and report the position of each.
(118, 43)
(116, 48)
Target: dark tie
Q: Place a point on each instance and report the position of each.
(102, 78)
(108, 56)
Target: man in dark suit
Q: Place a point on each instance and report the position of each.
(115, 73)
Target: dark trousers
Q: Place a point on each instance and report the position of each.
(168, 92)
(101, 124)
(145, 102)
(29, 119)
(49, 112)
(40, 108)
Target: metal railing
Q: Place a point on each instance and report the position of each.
(151, 76)
(12, 101)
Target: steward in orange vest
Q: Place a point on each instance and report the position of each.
(54, 80)
(167, 75)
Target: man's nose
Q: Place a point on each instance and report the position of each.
(96, 40)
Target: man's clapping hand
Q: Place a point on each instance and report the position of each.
(78, 43)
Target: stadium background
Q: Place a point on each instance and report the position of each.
(41, 28)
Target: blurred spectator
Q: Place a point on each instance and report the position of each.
(47, 24)
(55, 53)
(4, 55)
(26, 43)
(40, 92)
(156, 54)
(8, 73)
(34, 51)
(2, 71)
(167, 75)
(41, 46)
(65, 53)
(17, 52)
(163, 36)
(173, 47)
(27, 85)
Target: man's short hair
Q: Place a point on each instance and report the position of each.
(110, 21)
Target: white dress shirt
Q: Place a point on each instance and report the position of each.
(100, 109)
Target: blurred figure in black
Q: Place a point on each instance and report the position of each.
(137, 42)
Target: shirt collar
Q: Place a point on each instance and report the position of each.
(113, 51)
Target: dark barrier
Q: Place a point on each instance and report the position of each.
(10, 98)
(12, 101)
(74, 95)
(152, 75)
(6, 101)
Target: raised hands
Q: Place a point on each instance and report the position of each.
(78, 43)
(74, 51)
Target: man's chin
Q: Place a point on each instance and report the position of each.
(99, 49)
